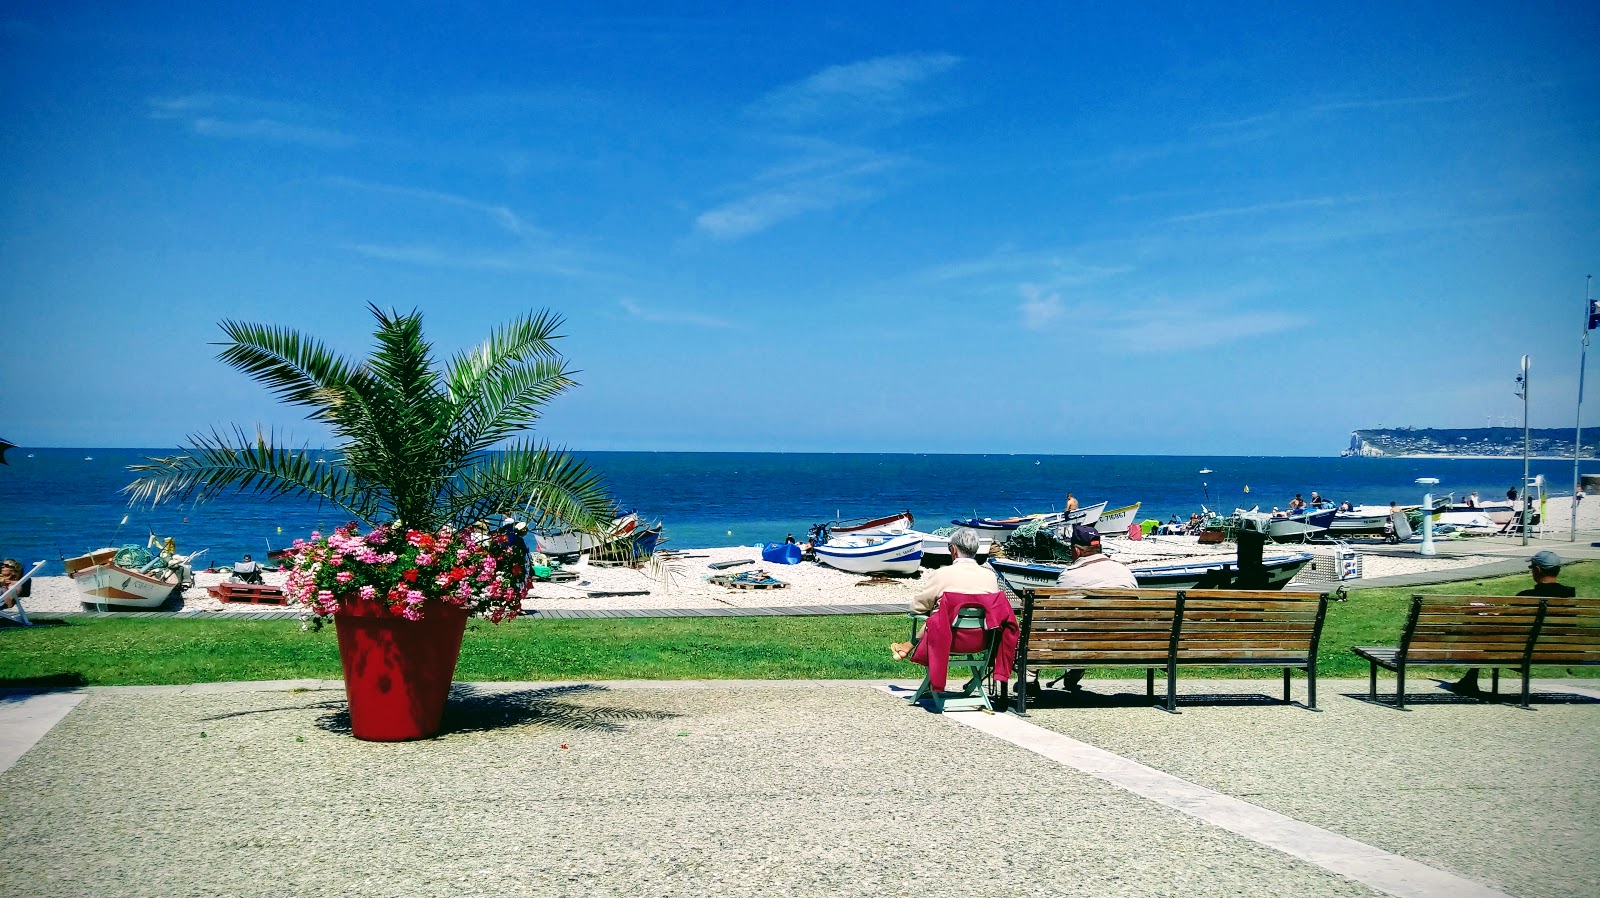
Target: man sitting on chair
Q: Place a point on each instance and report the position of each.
(963, 575)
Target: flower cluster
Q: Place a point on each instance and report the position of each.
(407, 571)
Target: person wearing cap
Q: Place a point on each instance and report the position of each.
(962, 575)
(1545, 566)
(1090, 567)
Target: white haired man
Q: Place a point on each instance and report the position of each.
(963, 575)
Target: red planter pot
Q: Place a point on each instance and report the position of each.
(397, 672)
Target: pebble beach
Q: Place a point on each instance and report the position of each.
(680, 580)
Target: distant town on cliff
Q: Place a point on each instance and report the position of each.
(1480, 442)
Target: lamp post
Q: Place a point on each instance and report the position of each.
(1427, 517)
(1590, 319)
(1522, 393)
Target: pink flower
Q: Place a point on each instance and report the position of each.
(344, 577)
(424, 558)
(367, 592)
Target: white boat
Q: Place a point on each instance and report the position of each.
(936, 549)
(884, 526)
(897, 554)
(1499, 513)
(1000, 529)
(572, 542)
(105, 584)
(1361, 519)
(1184, 573)
(1471, 520)
(1115, 522)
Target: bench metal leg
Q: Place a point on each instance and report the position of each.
(1494, 682)
(1400, 687)
(1150, 684)
(1311, 686)
(1527, 672)
(1286, 685)
(1172, 688)
(1372, 680)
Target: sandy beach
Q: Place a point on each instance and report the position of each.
(681, 581)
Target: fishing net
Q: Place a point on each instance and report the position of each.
(132, 556)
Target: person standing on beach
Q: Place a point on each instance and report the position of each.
(962, 575)
(1545, 566)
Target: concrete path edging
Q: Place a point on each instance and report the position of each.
(24, 719)
(1347, 857)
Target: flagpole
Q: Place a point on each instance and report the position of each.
(1577, 427)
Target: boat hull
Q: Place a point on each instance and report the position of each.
(119, 587)
(886, 526)
(1184, 574)
(936, 550)
(573, 542)
(1116, 521)
(867, 555)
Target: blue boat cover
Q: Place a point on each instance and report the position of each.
(781, 553)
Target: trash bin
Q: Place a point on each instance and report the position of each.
(1347, 563)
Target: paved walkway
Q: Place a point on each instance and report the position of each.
(803, 789)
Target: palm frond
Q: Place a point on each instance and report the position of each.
(523, 339)
(217, 463)
(297, 369)
(546, 485)
(507, 401)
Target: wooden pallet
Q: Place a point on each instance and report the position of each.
(248, 593)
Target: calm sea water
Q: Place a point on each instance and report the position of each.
(57, 502)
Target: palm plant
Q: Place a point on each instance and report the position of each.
(415, 443)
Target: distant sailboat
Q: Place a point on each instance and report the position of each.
(1205, 470)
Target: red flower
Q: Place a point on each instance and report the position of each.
(458, 573)
(410, 576)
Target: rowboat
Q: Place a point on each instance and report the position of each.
(1000, 529)
(936, 549)
(1361, 519)
(116, 578)
(1500, 513)
(891, 554)
(1182, 574)
(572, 542)
(885, 526)
(1300, 527)
(1115, 522)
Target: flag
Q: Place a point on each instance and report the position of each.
(1594, 313)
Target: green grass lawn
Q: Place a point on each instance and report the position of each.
(110, 652)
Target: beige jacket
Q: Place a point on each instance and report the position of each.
(962, 575)
(1097, 570)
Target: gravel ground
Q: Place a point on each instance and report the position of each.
(590, 791)
(1494, 793)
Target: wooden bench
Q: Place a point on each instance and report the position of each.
(1511, 632)
(1166, 629)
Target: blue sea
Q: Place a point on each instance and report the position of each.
(62, 502)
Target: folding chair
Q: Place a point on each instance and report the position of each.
(981, 662)
(21, 590)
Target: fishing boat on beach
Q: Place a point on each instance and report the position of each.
(884, 526)
(1301, 527)
(1184, 573)
(1115, 522)
(559, 543)
(885, 554)
(1363, 519)
(129, 577)
(936, 549)
(1000, 529)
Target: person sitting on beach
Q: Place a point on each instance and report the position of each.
(1545, 566)
(247, 571)
(10, 573)
(963, 575)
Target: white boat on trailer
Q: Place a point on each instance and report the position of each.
(1116, 521)
(887, 554)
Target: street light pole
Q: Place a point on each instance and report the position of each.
(1577, 428)
(1522, 382)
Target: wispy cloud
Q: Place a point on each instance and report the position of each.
(827, 178)
(1386, 102)
(1316, 202)
(242, 118)
(883, 86)
(1163, 324)
(1039, 308)
(523, 259)
(668, 316)
(499, 215)
(1043, 270)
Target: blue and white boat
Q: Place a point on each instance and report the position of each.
(894, 554)
(1184, 573)
(1000, 529)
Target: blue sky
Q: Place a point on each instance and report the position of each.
(1066, 228)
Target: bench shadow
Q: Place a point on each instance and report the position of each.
(1510, 698)
(1088, 698)
(475, 709)
(63, 680)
